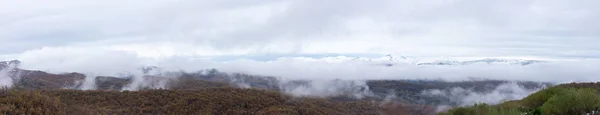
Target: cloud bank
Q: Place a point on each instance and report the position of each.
(103, 62)
(467, 97)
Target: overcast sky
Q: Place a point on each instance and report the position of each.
(164, 28)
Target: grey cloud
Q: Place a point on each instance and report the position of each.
(460, 27)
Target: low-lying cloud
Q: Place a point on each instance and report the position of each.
(7, 74)
(467, 97)
(326, 88)
(103, 62)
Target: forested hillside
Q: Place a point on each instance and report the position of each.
(204, 101)
(564, 99)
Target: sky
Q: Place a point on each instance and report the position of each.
(164, 28)
(98, 36)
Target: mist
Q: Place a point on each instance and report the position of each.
(120, 64)
(326, 88)
(6, 77)
(467, 97)
(103, 62)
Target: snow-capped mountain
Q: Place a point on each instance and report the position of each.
(390, 60)
(504, 61)
(484, 61)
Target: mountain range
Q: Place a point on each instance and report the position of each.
(408, 91)
(390, 60)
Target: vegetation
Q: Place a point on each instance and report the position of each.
(483, 109)
(214, 92)
(566, 99)
(205, 101)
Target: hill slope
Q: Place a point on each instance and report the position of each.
(564, 99)
(206, 101)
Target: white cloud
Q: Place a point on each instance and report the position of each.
(106, 61)
(548, 28)
(467, 97)
(6, 79)
(327, 88)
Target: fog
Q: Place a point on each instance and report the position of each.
(120, 63)
(326, 88)
(467, 97)
(6, 79)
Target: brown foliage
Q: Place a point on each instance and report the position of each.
(15, 102)
(203, 101)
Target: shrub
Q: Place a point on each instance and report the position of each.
(483, 109)
(551, 101)
(230, 101)
(572, 101)
(16, 103)
(539, 98)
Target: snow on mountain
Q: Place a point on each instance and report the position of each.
(391, 60)
(440, 61)
(503, 61)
